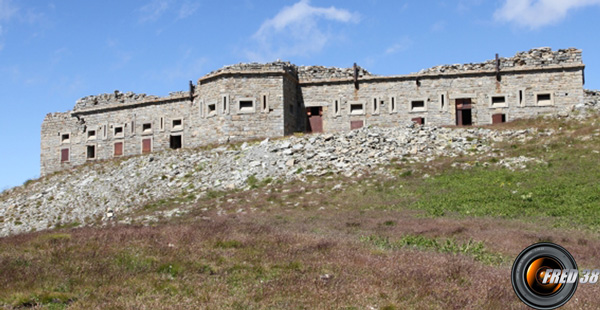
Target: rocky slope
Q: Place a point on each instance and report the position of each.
(105, 190)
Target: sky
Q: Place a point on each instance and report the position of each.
(55, 52)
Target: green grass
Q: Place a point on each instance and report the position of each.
(567, 192)
(471, 248)
(401, 242)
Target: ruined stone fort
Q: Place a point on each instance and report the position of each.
(251, 101)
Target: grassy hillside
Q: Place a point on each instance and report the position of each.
(436, 235)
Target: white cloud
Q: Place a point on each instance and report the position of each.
(402, 45)
(153, 10)
(188, 9)
(438, 26)
(296, 31)
(465, 6)
(534, 14)
(7, 10)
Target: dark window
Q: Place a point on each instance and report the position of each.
(224, 103)
(417, 105)
(118, 149)
(119, 131)
(212, 108)
(91, 134)
(265, 103)
(443, 99)
(177, 124)
(246, 105)
(520, 97)
(147, 127)
(356, 108)
(65, 138)
(498, 100)
(544, 99)
(175, 142)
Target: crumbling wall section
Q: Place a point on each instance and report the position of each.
(536, 58)
(321, 73)
(54, 126)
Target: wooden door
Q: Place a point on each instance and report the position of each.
(118, 148)
(498, 118)
(419, 120)
(315, 119)
(356, 124)
(146, 145)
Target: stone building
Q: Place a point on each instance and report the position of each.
(249, 101)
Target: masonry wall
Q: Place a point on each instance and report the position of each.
(292, 110)
(265, 119)
(254, 101)
(564, 85)
(53, 127)
(198, 126)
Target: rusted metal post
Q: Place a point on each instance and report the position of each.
(355, 76)
(497, 68)
(192, 88)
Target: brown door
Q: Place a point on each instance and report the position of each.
(118, 148)
(463, 112)
(146, 146)
(356, 124)
(419, 120)
(64, 155)
(498, 118)
(315, 119)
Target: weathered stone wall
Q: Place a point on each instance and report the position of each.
(250, 101)
(320, 73)
(255, 68)
(539, 58)
(199, 126)
(54, 126)
(232, 123)
(292, 109)
(564, 86)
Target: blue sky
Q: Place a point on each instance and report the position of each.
(54, 52)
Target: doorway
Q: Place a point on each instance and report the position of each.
(463, 112)
(175, 142)
(356, 124)
(315, 119)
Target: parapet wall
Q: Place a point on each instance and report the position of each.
(536, 58)
(119, 98)
(257, 68)
(320, 73)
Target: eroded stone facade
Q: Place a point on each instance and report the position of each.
(249, 101)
